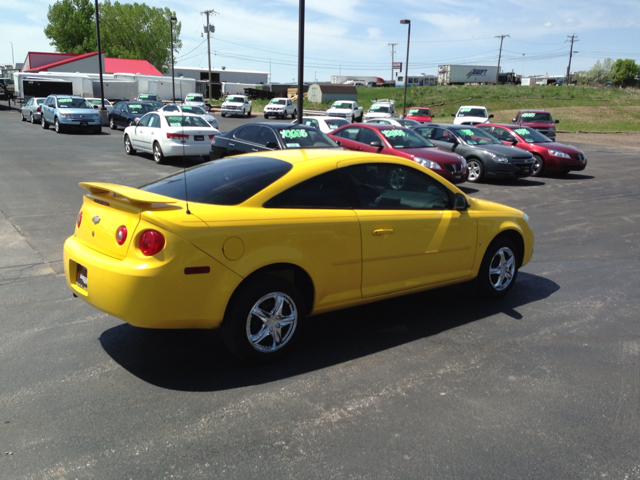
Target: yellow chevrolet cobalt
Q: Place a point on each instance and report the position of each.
(256, 243)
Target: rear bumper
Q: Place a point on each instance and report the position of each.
(177, 149)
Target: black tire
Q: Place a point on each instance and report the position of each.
(223, 115)
(97, 130)
(476, 170)
(44, 123)
(498, 270)
(249, 113)
(158, 156)
(128, 148)
(538, 166)
(56, 125)
(295, 114)
(31, 119)
(266, 117)
(280, 303)
(112, 124)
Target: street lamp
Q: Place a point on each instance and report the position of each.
(406, 66)
(12, 59)
(103, 110)
(173, 79)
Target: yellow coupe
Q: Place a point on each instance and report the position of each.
(254, 243)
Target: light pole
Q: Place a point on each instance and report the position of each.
(12, 59)
(301, 11)
(103, 110)
(522, 76)
(406, 66)
(173, 79)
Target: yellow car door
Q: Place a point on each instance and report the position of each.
(412, 238)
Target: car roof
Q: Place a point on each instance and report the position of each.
(447, 125)
(510, 126)
(535, 110)
(472, 106)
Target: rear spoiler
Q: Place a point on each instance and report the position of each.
(134, 195)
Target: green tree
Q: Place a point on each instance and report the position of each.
(126, 30)
(627, 73)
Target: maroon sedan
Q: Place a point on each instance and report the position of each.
(549, 156)
(419, 114)
(405, 143)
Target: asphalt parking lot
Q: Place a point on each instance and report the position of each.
(542, 384)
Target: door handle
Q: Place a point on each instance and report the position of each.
(382, 231)
(255, 150)
(232, 144)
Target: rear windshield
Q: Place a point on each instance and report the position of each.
(192, 109)
(336, 122)
(229, 181)
(186, 121)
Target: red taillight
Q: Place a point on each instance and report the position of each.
(79, 219)
(39, 109)
(211, 137)
(121, 235)
(177, 135)
(151, 242)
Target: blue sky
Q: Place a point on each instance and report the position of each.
(352, 37)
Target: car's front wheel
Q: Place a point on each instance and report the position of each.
(57, 126)
(476, 170)
(44, 123)
(31, 119)
(158, 156)
(498, 270)
(263, 319)
(538, 166)
(128, 148)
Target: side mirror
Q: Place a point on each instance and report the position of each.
(460, 202)
(272, 145)
(491, 116)
(338, 143)
(514, 142)
(453, 114)
(376, 144)
(556, 121)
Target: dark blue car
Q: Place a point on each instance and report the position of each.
(128, 113)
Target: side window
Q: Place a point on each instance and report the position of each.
(311, 122)
(350, 133)
(247, 133)
(367, 136)
(425, 132)
(388, 186)
(265, 136)
(503, 135)
(442, 134)
(144, 121)
(325, 191)
(51, 102)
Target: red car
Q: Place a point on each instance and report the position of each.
(402, 142)
(549, 156)
(419, 114)
(539, 120)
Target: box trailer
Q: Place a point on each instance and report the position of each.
(461, 74)
(339, 79)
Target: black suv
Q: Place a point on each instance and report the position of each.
(486, 155)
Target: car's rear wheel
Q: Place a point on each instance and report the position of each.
(498, 270)
(476, 170)
(263, 319)
(31, 119)
(22, 119)
(128, 148)
(158, 156)
(295, 114)
(538, 166)
(112, 124)
(56, 125)
(44, 123)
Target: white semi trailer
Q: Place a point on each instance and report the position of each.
(461, 74)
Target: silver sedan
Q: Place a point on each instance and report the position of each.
(174, 107)
(31, 110)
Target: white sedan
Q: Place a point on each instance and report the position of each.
(324, 124)
(168, 134)
(396, 122)
(174, 107)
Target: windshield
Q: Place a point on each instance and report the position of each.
(231, 98)
(475, 136)
(530, 135)
(301, 137)
(341, 105)
(336, 122)
(379, 108)
(278, 101)
(536, 117)
(73, 103)
(186, 121)
(407, 123)
(420, 111)
(472, 112)
(97, 101)
(139, 108)
(223, 182)
(194, 98)
(405, 138)
(191, 109)
(147, 96)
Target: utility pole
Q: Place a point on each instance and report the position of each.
(501, 37)
(574, 38)
(393, 46)
(209, 29)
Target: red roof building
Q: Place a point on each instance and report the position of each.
(125, 65)
(37, 62)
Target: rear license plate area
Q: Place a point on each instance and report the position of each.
(198, 138)
(81, 276)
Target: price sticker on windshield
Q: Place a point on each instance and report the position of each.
(467, 132)
(135, 105)
(465, 110)
(414, 110)
(522, 131)
(528, 114)
(393, 133)
(293, 133)
(65, 100)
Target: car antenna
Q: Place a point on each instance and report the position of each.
(184, 164)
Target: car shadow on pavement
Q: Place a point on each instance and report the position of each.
(177, 162)
(197, 360)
